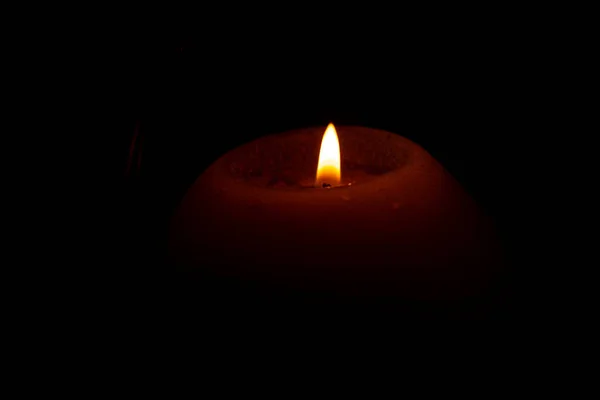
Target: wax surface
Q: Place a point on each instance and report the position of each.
(400, 226)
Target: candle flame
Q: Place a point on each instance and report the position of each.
(329, 170)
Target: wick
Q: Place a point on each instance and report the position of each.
(326, 185)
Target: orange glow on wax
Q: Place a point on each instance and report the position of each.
(329, 170)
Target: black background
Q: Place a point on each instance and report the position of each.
(467, 90)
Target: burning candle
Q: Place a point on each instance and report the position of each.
(359, 211)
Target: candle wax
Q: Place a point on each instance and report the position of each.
(398, 225)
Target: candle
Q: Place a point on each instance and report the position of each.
(357, 212)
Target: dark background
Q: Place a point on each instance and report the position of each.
(469, 94)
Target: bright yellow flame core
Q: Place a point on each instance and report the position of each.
(329, 170)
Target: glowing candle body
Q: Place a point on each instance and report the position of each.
(404, 227)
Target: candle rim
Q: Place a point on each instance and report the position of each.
(407, 149)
